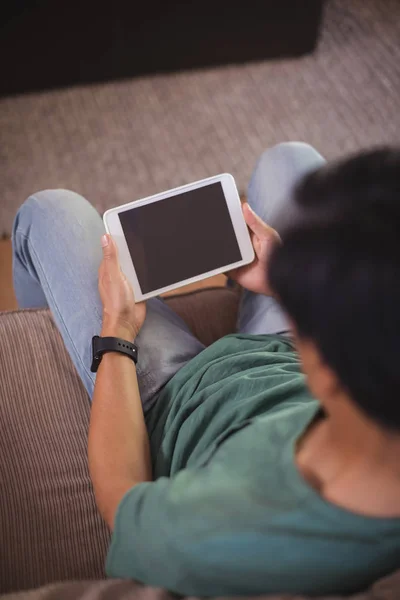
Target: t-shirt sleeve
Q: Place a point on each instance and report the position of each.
(163, 529)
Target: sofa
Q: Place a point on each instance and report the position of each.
(53, 541)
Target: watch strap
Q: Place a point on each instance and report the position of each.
(102, 345)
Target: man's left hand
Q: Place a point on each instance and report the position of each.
(254, 277)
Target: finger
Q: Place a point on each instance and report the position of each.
(255, 223)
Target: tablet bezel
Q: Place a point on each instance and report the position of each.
(113, 226)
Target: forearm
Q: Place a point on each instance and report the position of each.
(119, 453)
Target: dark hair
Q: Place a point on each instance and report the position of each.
(337, 274)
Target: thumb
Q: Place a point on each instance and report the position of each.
(254, 222)
(110, 254)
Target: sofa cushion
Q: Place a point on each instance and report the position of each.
(210, 313)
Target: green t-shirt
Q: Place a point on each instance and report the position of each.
(229, 513)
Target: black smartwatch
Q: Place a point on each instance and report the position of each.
(101, 345)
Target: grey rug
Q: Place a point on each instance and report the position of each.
(123, 140)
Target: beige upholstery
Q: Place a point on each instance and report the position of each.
(49, 527)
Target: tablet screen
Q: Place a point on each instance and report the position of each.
(180, 237)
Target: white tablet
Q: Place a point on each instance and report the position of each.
(180, 236)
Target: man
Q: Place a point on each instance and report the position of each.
(216, 469)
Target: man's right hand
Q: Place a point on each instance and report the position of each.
(254, 277)
(122, 317)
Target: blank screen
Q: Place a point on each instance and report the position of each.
(180, 237)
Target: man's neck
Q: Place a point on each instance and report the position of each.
(353, 463)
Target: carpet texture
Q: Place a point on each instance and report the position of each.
(123, 140)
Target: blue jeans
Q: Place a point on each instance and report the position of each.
(57, 253)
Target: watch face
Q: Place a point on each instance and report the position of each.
(95, 358)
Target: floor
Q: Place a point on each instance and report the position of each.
(7, 297)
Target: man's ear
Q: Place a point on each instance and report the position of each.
(322, 380)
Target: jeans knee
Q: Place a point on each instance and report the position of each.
(287, 151)
(283, 162)
(58, 199)
(47, 206)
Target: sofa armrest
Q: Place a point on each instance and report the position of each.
(50, 527)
